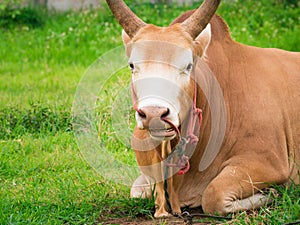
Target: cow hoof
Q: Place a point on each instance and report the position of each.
(176, 214)
(159, 215)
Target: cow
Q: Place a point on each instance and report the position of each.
(256, 120)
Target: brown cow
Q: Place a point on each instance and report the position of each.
(259, 105)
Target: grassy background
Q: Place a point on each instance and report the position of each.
(43, 178)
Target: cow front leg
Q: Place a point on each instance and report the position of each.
(162, 208)
(169, 202)
(174, 184)
(160, 202)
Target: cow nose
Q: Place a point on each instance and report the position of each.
(153, 112)
(150, 113)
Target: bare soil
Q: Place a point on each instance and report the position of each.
(143, 221)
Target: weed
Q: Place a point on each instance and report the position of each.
(11, 15)
(36, 120)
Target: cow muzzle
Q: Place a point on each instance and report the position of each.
(153, 118)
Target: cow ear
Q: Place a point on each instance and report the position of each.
(127, 42)
(126, 39)
(202, 41)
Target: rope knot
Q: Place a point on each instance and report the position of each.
(182, 162)
(197, 111)
(193, 139)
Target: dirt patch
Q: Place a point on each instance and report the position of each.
(144, 221)
(197, 219)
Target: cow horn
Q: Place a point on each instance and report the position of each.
(201, 17)
(126, 18)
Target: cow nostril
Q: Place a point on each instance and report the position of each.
(141, 114)
(165, 114)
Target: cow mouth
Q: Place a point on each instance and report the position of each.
(163, 134)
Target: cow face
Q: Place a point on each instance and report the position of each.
(162, 61)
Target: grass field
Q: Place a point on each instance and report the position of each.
(43, 177)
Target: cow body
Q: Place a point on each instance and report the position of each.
(262, 138)
(260, 106)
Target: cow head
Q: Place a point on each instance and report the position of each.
(162, 60)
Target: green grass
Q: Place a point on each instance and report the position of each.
(43, 176)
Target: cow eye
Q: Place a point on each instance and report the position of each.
(189, 67)
(131, 66)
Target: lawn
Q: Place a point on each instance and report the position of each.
(45, 176)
